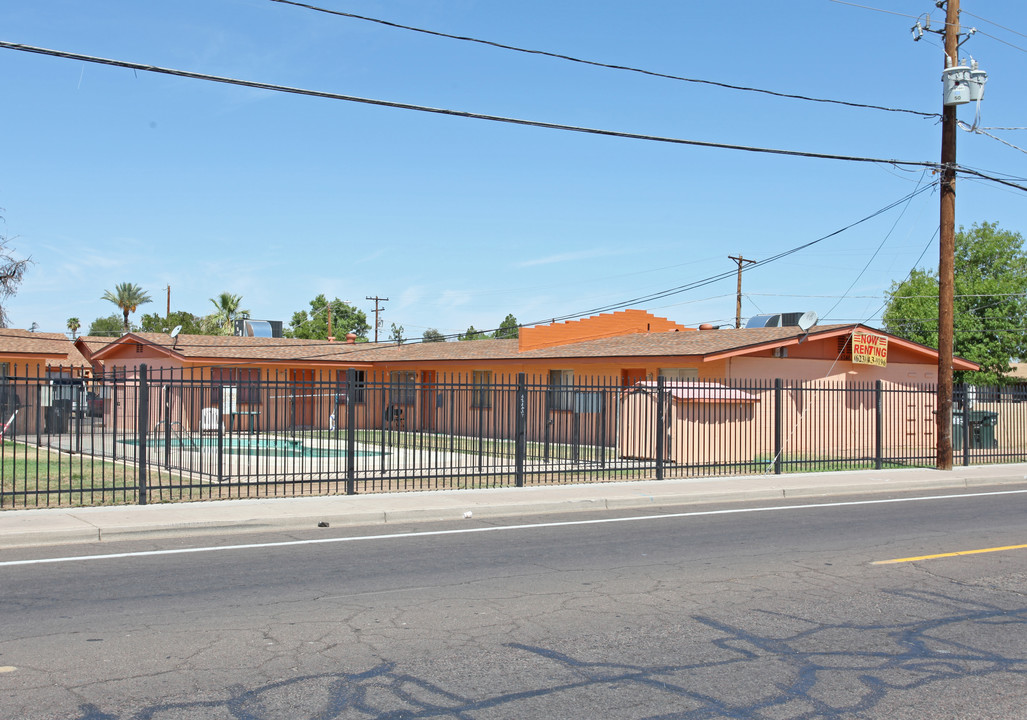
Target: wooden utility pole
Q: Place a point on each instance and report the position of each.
(377, 310)
(168, 315)
(738, 298)
(947, 249)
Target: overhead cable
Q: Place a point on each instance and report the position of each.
(597, 63)
(992, 22)
(453, 113)
(731, 273)
(362, 347)
(981, 131)
(975, 173)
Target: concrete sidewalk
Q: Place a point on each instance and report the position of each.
(24, 528)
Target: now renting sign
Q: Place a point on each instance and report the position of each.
(869, 349)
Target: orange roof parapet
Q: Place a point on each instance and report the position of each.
(624, 322)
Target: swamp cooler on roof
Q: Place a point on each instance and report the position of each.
(258, 328)
(804, 320)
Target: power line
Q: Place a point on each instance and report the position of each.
(597, 63)
(720, 276)
(866, 266)
(917, 17)
(992, 178)
(981, 131)
(997, 39)
(361, 347)
(992, 22)
(867, 7)
(873, 297)
(453, 113)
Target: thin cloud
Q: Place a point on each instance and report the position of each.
(567, 257)
(455, 298)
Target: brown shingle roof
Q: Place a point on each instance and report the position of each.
(696, 344)
(231, 348)
(56, 348)
(702, 344)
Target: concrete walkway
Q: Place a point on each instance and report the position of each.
(24, 528)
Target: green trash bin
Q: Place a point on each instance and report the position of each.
(982, 430)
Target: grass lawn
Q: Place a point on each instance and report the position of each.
(38, 477)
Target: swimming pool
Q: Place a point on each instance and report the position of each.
(273, 447)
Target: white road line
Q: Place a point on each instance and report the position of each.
(500, 528)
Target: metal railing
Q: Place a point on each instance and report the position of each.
(143, 436)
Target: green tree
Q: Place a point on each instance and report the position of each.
(990, 309)
(314, 324)
(128, 297)
(110, 326)
(227, 311)
(190, 324)
(432, 335)
(509, 329)
(396, 334)
(73, 326)
(474, 334)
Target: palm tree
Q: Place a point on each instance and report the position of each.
(73, 326)
(228, 311)
(127, 296)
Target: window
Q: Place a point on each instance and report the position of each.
(481, 394)
(359, 386)
(402, 387)
(244, 381)
(561, 389)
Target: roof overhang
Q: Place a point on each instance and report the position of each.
(893, 340)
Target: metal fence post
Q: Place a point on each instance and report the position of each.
(778, 422)
(879, 426)
(661, 441)
(114, 414)
(221, 431)
(167, 425)
(143, 406)
(481, 431)
(521, 429)
(351, 431)
(966, 394)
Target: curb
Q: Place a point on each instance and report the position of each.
(35, 528)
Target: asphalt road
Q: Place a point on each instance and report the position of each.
(735, 612)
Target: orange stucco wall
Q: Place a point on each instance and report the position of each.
(624, 322)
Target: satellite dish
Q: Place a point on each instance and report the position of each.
(178, 329)
(807, 320)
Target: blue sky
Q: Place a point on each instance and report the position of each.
(113, 175)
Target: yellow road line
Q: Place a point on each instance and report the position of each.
(951, 554)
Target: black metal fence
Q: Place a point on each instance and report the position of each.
(141, 436)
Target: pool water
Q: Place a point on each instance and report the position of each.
(250, 445)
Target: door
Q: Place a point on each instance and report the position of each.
(302, 398)
(429, 391)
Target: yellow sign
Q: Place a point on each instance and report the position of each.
(869, 349)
